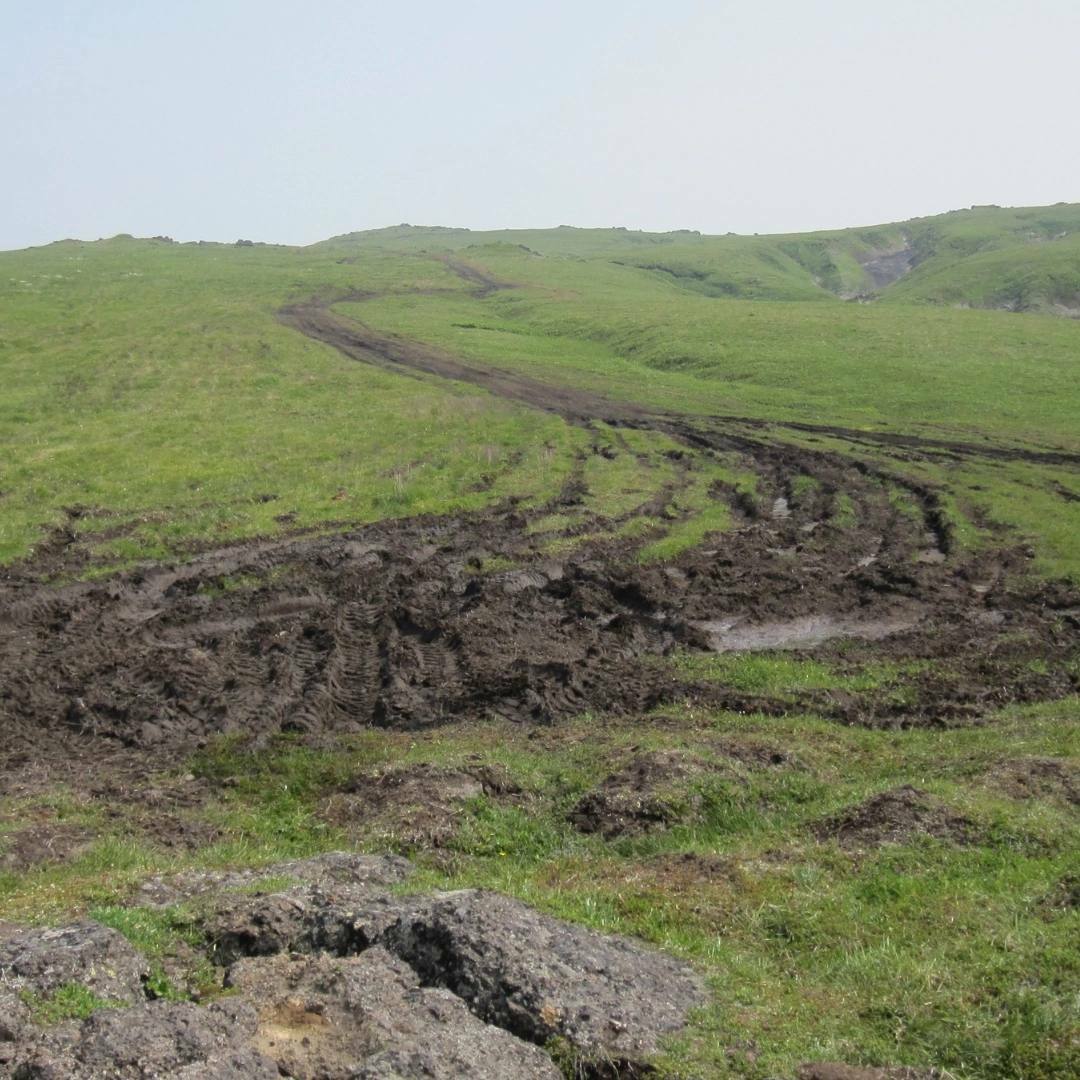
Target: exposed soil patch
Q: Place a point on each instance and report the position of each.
(41, 844)
(754, 753)
(897, 817)
(655, 790)
(1062, 898)
(884, 268)
(1039, 778)
(688, 871)
(414, 806)
(484, 282)
(167, 810)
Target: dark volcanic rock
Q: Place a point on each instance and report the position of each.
(14, 1023)
(301, 920)
(329, 870)
(338, 895)
(541, 978)
(340, 977)
(535, 976)
(43, 960)
(153, 1041)
(325, 1017)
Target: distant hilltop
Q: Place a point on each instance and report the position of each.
(1008, 258)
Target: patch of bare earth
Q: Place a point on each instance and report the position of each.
(655, 790)
(1039, 778)
(897, 817)
(413, 806)
(43, 843)
(1064, 897)
(754, 753)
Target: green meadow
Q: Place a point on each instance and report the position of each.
(152, 405)
(148, 386)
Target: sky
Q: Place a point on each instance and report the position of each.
(292, 122)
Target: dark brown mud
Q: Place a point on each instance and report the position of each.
(400, 625)
(412, 807)
(652, 791)
(896, 817)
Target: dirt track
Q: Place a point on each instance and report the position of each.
(399, 624)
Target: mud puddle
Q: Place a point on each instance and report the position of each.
(739, 634)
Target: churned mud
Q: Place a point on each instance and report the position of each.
(415, 806)
(415, 623)
(896, 817)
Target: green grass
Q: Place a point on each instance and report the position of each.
(72, 1001)
(924, 952)
(152, 381)
(627, 334)
(761, 673)
(703, 513)
(159, 934)
(151, 403)
(149, 385)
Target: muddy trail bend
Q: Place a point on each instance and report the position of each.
(408, 624)
(316, 319)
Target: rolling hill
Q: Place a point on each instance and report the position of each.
(394, 619)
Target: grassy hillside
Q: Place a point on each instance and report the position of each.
(151, 382)
(150, 393)
(607, 450)
(1016, 259)
(1036, 276)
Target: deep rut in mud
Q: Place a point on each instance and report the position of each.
(402, 624)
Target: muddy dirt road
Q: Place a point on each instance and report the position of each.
(404, 624)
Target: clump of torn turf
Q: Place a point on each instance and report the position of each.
(413, 806)
(896, 817)
(653, 791)
(1038, 777)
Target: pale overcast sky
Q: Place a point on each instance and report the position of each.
(295, 121)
